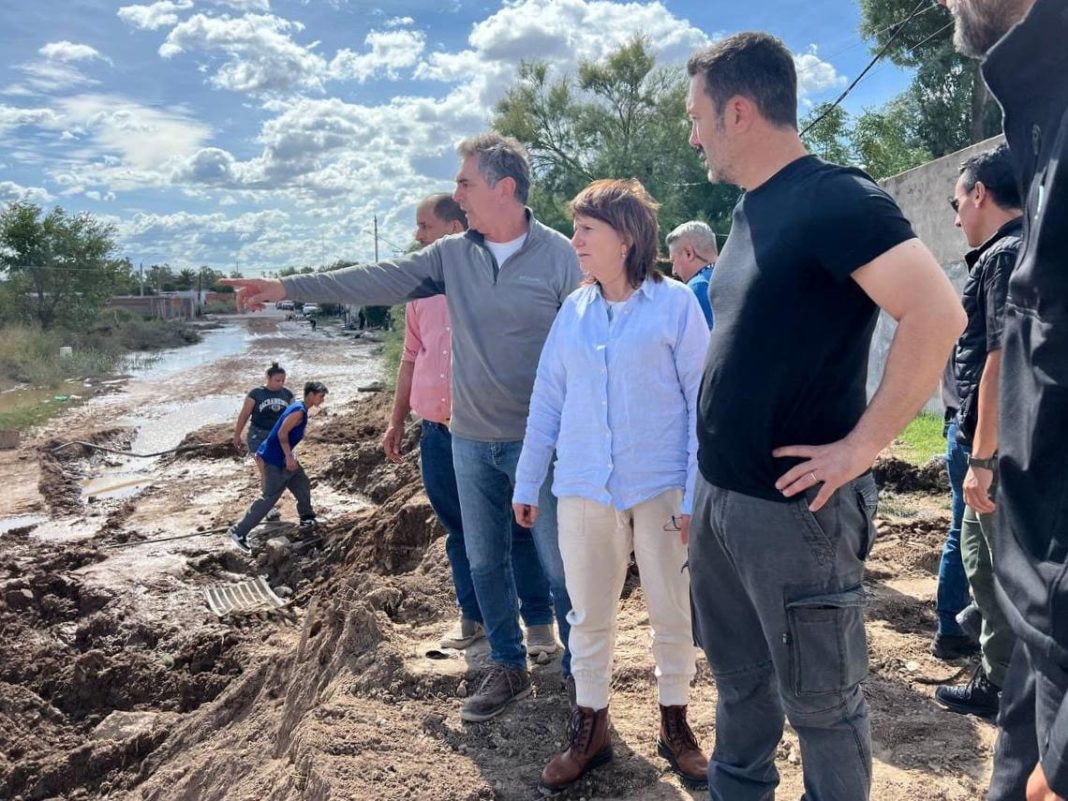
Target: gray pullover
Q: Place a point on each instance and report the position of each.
(500, 316)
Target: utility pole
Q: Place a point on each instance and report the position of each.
(376, 238)
(142, 273)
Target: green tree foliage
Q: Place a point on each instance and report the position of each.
(879, 141)
(623, 117)
(948, 99)
(59, 269)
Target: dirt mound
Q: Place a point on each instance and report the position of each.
(898, 475)
(63, 466)
(74, 654)
(210, 442)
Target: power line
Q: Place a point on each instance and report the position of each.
(882, 52)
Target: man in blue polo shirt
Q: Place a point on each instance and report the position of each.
(281, 470)
(693, 253)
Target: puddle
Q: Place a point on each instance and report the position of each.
(20, 521)
(23, 397)
(161, 428)
(218, 344)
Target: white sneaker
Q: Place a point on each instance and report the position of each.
(463, 634)
(541, 640)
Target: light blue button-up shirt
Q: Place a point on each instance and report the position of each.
(617, 398)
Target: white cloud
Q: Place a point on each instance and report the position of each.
(260, 56)
(390, 51)
(14, 117)
(69, 51)
(246, 5)
(814, 75)
(11, 192)
(161, 14)
(399, 22)
(50, 76)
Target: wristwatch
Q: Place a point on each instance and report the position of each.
(986, 464)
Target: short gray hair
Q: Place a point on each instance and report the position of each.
(697, 235)
(499, 157)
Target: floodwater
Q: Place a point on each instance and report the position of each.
(180, 391)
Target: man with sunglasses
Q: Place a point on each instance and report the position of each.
(986, 200)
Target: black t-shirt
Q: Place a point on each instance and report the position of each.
(788, 358)
(269, 405)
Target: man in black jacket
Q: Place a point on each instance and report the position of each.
(1027, 70)
(987, 204)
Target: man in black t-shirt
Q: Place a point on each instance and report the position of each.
(783, 508)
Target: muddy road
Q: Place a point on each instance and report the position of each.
(118, 682)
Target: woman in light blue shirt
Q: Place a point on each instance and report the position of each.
(616, 398)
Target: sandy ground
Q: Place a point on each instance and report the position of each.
(117, 682)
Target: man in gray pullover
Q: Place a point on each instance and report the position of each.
(504, 280)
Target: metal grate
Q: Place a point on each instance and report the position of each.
(242, 598)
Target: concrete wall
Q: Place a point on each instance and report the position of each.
(923, 194)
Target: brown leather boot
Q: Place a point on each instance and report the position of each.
(589, 745)
(678, 746)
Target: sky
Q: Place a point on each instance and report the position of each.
(269, 133)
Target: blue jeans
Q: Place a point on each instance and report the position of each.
(439, 480)
(485, 479)
(952, 594)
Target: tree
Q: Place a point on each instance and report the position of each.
(947, 96)
(186, 279)
(620, 118)
(59, 268)
(879, 141)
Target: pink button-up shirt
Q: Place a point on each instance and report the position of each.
(428, 345)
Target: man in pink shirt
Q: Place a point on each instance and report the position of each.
(424, 387)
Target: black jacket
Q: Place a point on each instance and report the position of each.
(1028, 73)
(989, 266)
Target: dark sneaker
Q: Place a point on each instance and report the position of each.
(463, 634)
(308, 525)
(971, 620)
(980, 696)
(500, 686)
(953, 646)
(239, 541)
(274, 515)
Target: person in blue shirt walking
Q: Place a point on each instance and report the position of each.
(693, 253)
(281, 470)
(616, 397)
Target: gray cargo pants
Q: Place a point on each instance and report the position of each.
(277, 480)
(779, 610)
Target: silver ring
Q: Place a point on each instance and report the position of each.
(813, 474)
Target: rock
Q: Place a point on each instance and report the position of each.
(127, 725)
(282, 591)
(277, 550)
(461, 690)
(18, 599)
(374, 386)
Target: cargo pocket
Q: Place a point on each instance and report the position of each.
(828, 653)
(868, 500)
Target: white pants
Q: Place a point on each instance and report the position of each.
(595, 543)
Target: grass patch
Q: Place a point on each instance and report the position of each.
(922, 440)
(25, 417)
(31, 356)
(393, 346)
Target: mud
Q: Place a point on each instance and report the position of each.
(118, 683)
(898, 475)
